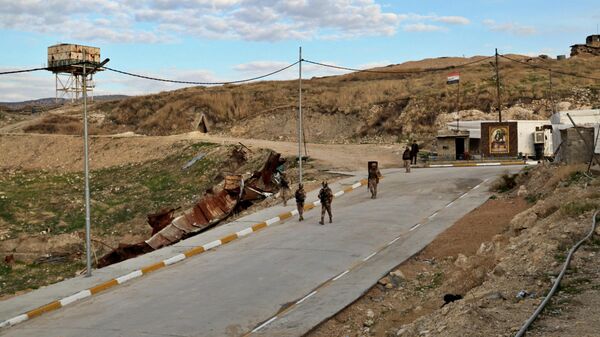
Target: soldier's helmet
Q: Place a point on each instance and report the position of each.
(324, 183)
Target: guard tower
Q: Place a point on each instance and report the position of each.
(66, 62)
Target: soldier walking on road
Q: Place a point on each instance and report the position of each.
(374, 176)
(300, 197)
(326, 197)
(406, 159)
(414, 151)
(284, 187)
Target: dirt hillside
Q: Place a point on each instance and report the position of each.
(358, 107)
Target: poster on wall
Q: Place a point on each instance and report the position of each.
(499, 142)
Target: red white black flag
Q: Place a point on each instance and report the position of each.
(453, 78)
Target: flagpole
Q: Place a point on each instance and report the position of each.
(457, 102)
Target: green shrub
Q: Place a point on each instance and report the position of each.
(575, 208)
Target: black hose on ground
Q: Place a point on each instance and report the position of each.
(540, 308)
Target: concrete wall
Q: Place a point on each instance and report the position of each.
(525, 131)
(446, 147)
(573, 149)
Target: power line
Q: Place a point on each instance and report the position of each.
(21, 71)
(395, 71)
(550, 69)
(200, 83)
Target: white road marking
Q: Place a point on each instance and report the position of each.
(272, 221)
(76, 297)
(264, 324)
(14, 321)
(340, 275)
(131, 275)
(414, 227)
(370, 256)
(212, 245)
(391, 242)
(433, 215)
(306, 297)
(338, 194)
(450, 204)
(244, 232)
(356, 185)
(464, 195)
(169, 261)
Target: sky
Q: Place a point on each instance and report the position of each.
(225, 40)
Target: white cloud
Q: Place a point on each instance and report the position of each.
(422, 27)
(158, 21)
(509, 27)
(453, 20)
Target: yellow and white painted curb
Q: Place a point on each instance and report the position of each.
(499, 163)
(172, 260)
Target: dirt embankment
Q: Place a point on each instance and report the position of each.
(501, 259)
(352, 108)
(65, 153)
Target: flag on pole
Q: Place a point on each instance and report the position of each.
(453, 78)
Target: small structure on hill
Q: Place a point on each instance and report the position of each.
(568, 144)
(591, 47)
(66, 62)
(201, 123)
(452, 144)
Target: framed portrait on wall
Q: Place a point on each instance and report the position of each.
(499, 140)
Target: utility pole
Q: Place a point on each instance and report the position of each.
(300, 116)
(551, 92)
(498, 89)
(86, 169)
(86, 173)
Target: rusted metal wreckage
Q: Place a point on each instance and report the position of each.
(217, 204)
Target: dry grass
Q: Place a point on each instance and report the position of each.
(373, 104)
(57, 124)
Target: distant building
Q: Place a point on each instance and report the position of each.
(591, 47)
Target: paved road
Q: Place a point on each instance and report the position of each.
(236, 288)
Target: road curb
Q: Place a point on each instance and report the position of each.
(54, 305)
(501, 163)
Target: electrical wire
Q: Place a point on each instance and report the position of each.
(21, 71)
(539, 309)
(550, 69)
(200, 83)
(396, 71)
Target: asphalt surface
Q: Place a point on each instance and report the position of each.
(241, 287)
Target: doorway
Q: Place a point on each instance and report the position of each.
(460, 148)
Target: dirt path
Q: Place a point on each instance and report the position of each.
(62, 152)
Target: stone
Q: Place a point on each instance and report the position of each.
(461, 261)
(368, 323)
(370, 313)
(485, 248)
(522, 191)
(397, 278)
(384, 281)
(401, 332)
(495, 295)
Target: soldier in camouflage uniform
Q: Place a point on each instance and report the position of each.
(284, 186)
(326, 197)
(300, 197)
(373, 180)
